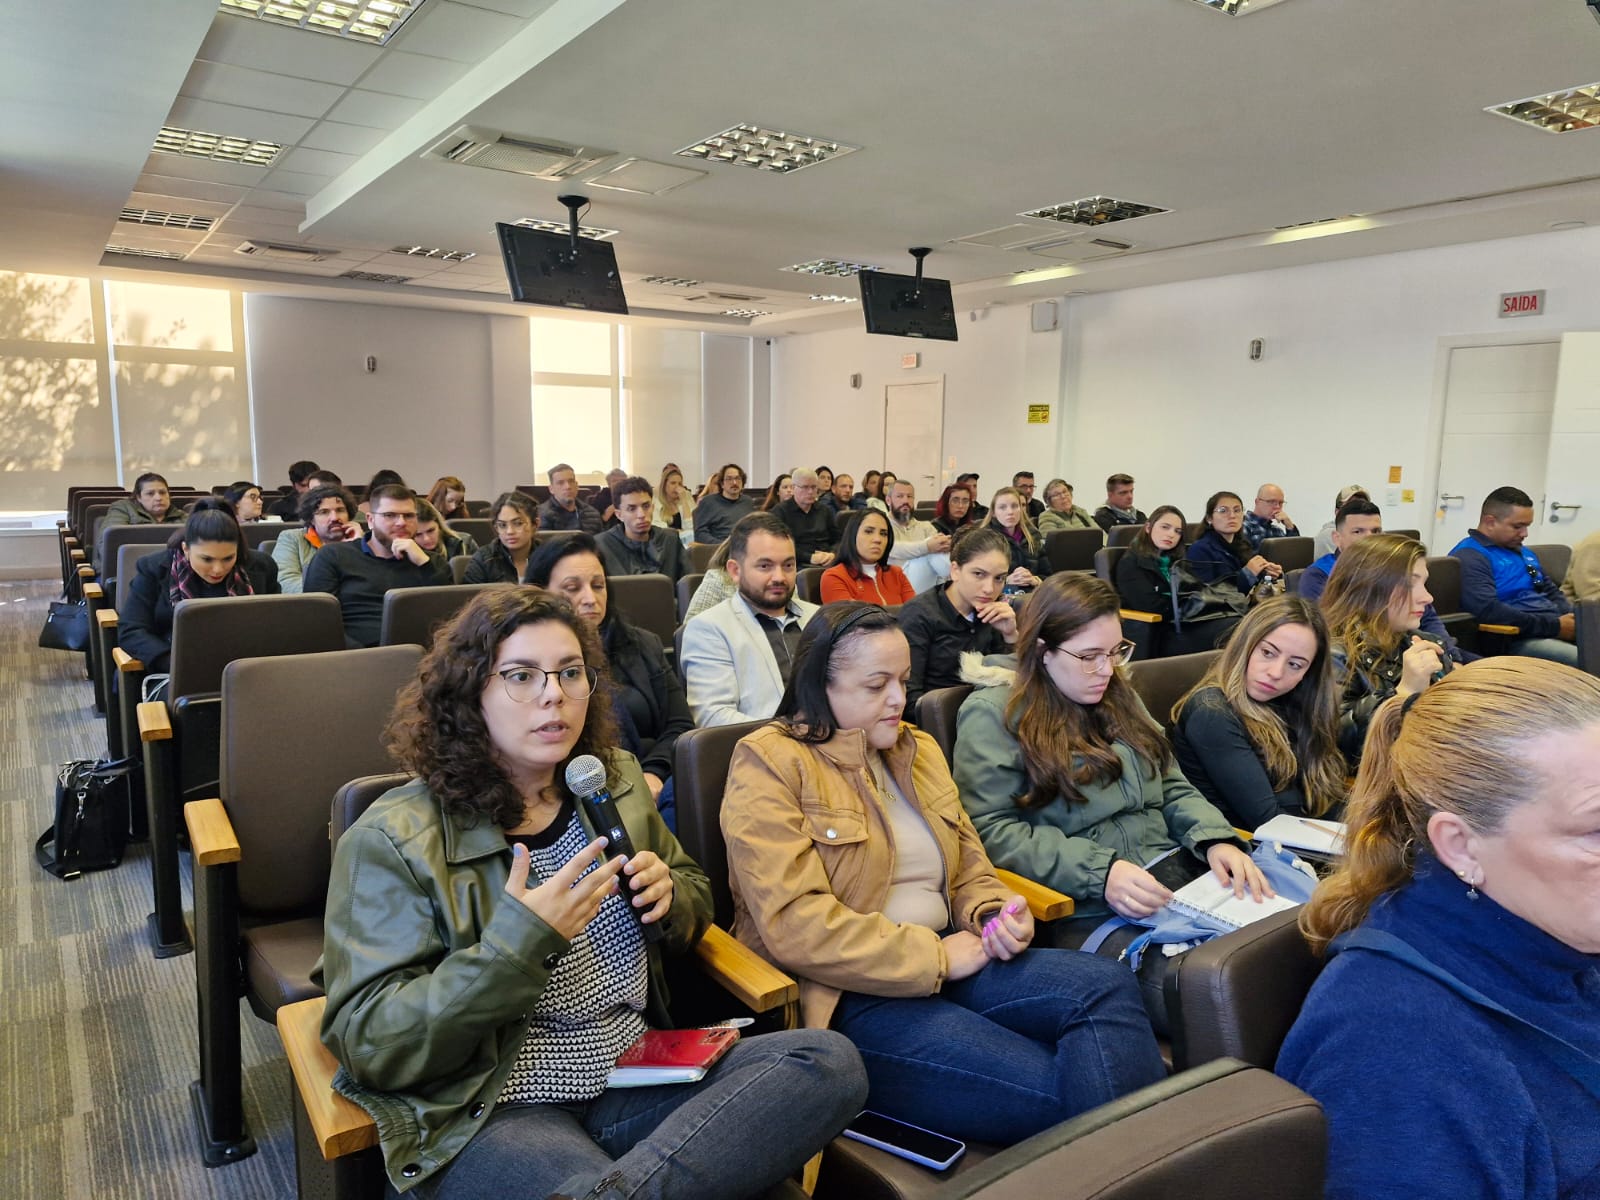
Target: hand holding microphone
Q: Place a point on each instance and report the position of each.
(648, 877)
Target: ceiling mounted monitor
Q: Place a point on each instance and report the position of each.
(562, 270)
(908, 305)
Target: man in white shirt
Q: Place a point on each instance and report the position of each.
(920, 550)
(738, 655)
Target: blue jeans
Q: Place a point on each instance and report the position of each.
(1008, 1052)
(756, 1117)
(1553, 649)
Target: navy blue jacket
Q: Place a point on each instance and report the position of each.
(1428, 1095)
(1213, 560)
(1501, 586)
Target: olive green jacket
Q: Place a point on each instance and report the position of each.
(432, 972)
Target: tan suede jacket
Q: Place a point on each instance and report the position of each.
(811, 858)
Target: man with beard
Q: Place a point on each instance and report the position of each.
(920, 550)
(738, 655)
(328, 512)
(564, 510)
(358, 572)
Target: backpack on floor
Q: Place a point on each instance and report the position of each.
(94, 802)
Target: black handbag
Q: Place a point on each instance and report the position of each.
(66, 627)
(94, 808)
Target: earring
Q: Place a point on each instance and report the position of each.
(1472, 887)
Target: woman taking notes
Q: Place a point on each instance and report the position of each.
(855, 870)
(485, 968)
(1454, 1037)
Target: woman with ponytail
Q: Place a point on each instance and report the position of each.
(1454, 1038)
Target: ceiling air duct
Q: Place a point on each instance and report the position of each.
(540, 157)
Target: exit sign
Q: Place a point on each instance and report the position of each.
(1522, 304)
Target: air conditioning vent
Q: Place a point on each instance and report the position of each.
(735, 297)
(539, 157)
(282, 253)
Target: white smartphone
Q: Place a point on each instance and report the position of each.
(908, 1141)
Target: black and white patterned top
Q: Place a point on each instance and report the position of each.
(591, 1008)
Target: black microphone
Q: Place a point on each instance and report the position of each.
(586, 779)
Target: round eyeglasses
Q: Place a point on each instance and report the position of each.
(1095, 659)
(525, 684)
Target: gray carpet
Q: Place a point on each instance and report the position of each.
(97, 1038)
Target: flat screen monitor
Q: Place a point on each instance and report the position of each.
(897, 306)
(542, 269)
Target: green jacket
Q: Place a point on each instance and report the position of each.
(1068, 845)
(432, 971)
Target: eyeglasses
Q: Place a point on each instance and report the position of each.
(505, 526)
(1227, 512)
(1269, 503)
(1095, 659)
(396, 516)
(524, 684)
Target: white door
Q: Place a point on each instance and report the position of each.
(1497, 418)
(913, 433)
(1571, 507)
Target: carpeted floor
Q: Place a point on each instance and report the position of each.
(97, 1038)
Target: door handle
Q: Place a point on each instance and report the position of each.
(1446, 497)
(1557, 509)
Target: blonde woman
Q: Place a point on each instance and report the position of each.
(1008, 516)
(674, 507)
(1454, 1038)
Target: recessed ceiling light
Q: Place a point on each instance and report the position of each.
(1238, 8)
(135, 252)
(831, 266)
(371, 21)
(1093, 210)
(745, 312)
(1318, 221)
(192, 143)
(833, 299)
(375, 277)
(766, 149)
(1559, 225)
(435, 252)
(151, 216)
(593, 232)
(670, 281)
(1555, 112)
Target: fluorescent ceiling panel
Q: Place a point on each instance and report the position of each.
(763, 149)
(135, 252)
(1556, 112)
(194, 143)
(1238, 8)
(670, 281)
(370, 21)
(435, 252)
(831, 266)
(593, 232)
(151, 216)
(1093, 210)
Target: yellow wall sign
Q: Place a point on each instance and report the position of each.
(1038, 414)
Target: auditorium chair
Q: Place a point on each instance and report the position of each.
(1290, 553)
(480, 529)
(102, 630)
(480, 508)
(1217, 1132)
(1072, 549)
(1414, 534)
(1162, 682)
(1555, 558)
(546, 536)
(1588, 622)
(936, 716)
(120, 677)
(261, 847)
(410, 615)
(1444, 585)
(258, 533)
(808, 584)
(1291, 581)
(700, 555)
(1139, 627)
(181, 732)
(687, 586)
(647, 601)
(1123, 535)
(458, 567)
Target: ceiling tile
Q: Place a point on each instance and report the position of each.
(526, 9)
(189, 190)
(317, 162)
(248, 42)
(166, 202)
(265, 197)
(374, 109)
(251, 214)
(131, 233)
(342, 139)
(294, 182)
(176, 166)
(448, 30)
(234, 121)
(260, 89)
(415, 75)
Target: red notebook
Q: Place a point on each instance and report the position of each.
(671, 1056)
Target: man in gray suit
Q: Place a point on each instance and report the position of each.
(738, 655)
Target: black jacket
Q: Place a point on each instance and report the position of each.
(1368, 683)
(144, 619)
(650, 691)
(1216, 755)
(813, 531)
(491, 564)
(938, 635)
(624, 557)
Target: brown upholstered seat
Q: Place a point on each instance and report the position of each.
(687, 586)
(808, 584)
(277, 963)
(936, 716)
(700, 555)
(479, 529)
(1122, 535)
(647, 601)
(1555, 558)
(1444, 584)
(411, 615)
(1072, 549)
(1588, 614)
(1291, 553)
(1161, 682)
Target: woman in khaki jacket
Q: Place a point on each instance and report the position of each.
(855, 869)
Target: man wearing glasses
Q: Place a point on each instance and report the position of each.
(1267, 518)
(358, 572)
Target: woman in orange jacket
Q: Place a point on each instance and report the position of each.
(863, 570)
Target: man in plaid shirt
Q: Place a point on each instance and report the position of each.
(1267, 519)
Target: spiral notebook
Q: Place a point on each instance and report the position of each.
(1208, 896)
(671, 1056)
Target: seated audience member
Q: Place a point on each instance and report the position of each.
(326, 515)
(1071, 783)
(966, 614)
(1009, 518)
(778, 491)
(448, 495)
(954, 512)
(287, 507)
(1267, 518)
(150, 504)
(871, 489)
(485, 969)
(384, 477)
(1023, 482)
(970, 478)
(605, 500)
(721, 509)
(919, 549)
(505, 560)
(643, 682)
(715, 587)
(863, 571)
(712, 486)
(824, 483)
(635, 546)
(322, 477)
(359, 571)
(1259, 734)
(1502, 582)
(1059, 510)
(207, 558)
(840, 494)
(1461, 926)
(674, 508)
(1374, 605)
(1118, 508)
(246, 500)
(738, 655)
(1324, 539)
(1356, 519)
(1220, 554)
(811, 525)
(564, 510)
(1583, 576)
(434, 533)
(1153, 575)
(901, 936)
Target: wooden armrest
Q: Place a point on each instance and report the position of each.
(67, 538)
(211, 835)
(93, 591)
(1505, 630)
(155, 723)
(125, 662)
(1133, 614)
(1045, 903)
(77, 555)
(1245, 834)
(85, 571)
(339, 1126)
(61, 524)
(743, 973)
(106, 618)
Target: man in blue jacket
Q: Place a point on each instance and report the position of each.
(1502, 582)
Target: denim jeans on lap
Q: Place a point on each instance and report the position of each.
(1552, 649)
(1008, 1052)
(760, 1113)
